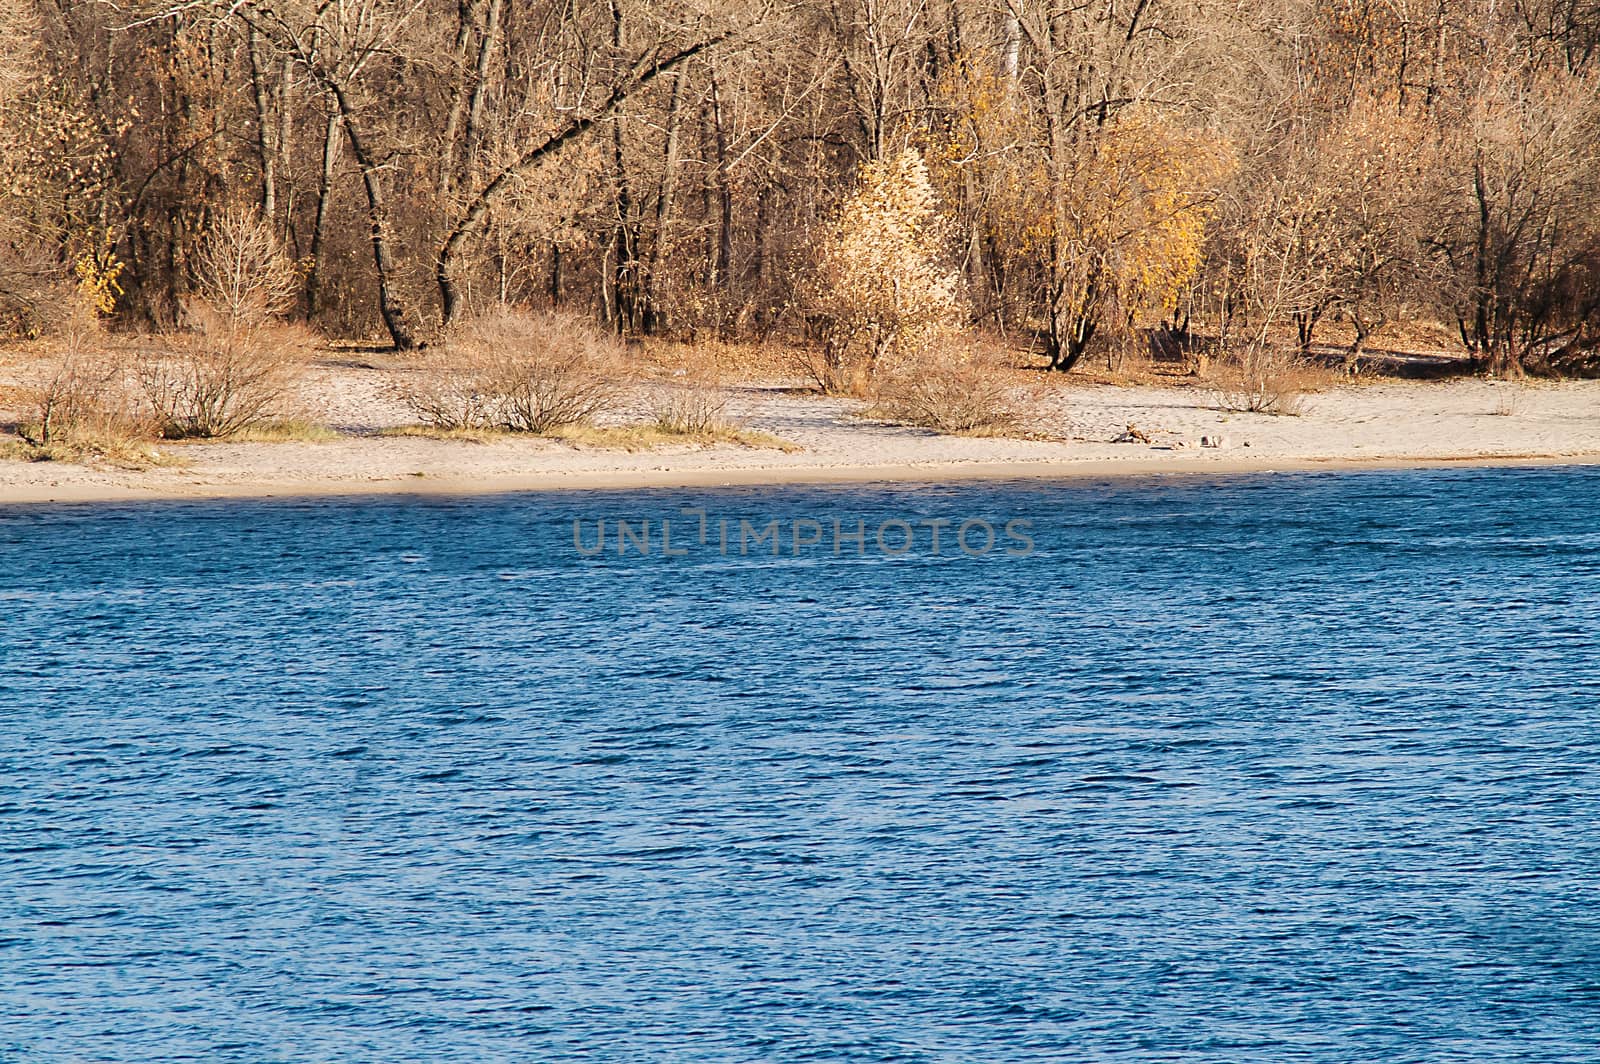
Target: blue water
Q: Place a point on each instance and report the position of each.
(1290, 768)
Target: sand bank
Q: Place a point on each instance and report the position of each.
(1382, 425)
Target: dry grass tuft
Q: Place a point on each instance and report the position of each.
(435, 432)
(289, 430)
(121, 451)
(632, 438)
(1509, 400)
(651, 436)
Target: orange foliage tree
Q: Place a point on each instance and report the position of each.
(1108, 227)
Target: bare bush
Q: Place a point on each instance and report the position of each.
(79, 400)
(694, 407)
(233, 368)
(81, 404)
(220, 378)
(453, 394)
(832, 372)
(954, 389)
(1265, 380)
(519, 371)
(70, 395)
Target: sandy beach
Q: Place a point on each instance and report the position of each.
(1072, 426)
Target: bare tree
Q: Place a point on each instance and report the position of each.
(241, 271)
(1521, 181)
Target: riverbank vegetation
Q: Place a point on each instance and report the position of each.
(519, 194)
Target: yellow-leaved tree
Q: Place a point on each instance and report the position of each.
(1088, 227)
(1136, 224)
(882, 291)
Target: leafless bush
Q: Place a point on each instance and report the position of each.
(79, 399)
(233, 367)
(695, 406)
(81, 404)
(519, 371)
(1509, 399)
(71, 395)
(832, 372)
(955, 388)
(1265, 380)
(453, 394)
(220, 378)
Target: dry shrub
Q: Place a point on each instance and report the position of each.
(233, 367)
(452, 393)
(956, 388)
(1266, 380)
(221, 378)
(832, 372)
(79, 401)
(520, 371)
(71, 395)
(695, 406)
(81, 405)
(549, 385)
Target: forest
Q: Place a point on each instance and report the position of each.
(1073, 175)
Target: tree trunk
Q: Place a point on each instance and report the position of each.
(285, 183)
(1305, 326)
(624, 244)
(1013, 48)
(480, 89)
(393, 314)
(466, 16)
(1482, 326)
(724, 264)
(319, 229)
(654, 319)
(266, 152)
(623, 304)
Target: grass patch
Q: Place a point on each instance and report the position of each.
(83, 449)
(16, 451)
(649, 437)
(608, 437)
(434, 432)
(289, 431)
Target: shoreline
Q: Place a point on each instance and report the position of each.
(842, 475)
(1380, 425)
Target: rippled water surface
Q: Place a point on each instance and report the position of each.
(1295, 768)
